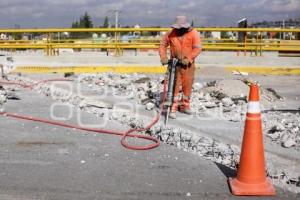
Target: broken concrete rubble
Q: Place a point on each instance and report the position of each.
(150, 106)
(11, 95)
(3, 96)
(227, 101)
(94, 103)
(206, 147)
(234, 72)
(231, 93)
(215, 150)
(221, 99)
(289, 143)
(283, 128)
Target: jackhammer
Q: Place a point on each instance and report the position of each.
(171, 73)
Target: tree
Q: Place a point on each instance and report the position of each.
(106, 22)
(225, 35)
(151, 33)
(85, 21)
(74, 34)
(17, 36)
(75, 24)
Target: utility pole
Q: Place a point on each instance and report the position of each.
(117, 18)
(283, 26)
(117, 15)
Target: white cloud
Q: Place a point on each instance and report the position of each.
(44, 13)
(284, 6)
(187, 6)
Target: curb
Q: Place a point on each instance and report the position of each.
(92, 69)
(151, 69)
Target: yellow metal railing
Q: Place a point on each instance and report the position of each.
(257, 43)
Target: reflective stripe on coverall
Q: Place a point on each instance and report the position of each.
(187, 46)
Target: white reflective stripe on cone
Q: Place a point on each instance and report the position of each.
(253, 107)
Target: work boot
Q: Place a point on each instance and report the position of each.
(172, 115)
(187, 111)
(174, 108)
(185, 105)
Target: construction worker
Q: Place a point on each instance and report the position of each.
(185, 45)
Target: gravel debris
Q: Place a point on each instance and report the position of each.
(150, 106)
(281, 128)
(289, 143)
(3, 96)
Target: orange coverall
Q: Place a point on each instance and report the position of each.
(188, 47)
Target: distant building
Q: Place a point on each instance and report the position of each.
(290, 23)
(3, 36)
(216, 35)
(137, 26)
(41, 37)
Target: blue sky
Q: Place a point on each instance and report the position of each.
(59, 13)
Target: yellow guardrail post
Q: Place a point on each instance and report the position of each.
(261, 37)
(119, 51)
(245, 45)
(47, 44)
(256, 47)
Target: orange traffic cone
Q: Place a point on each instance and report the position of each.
(251, 177)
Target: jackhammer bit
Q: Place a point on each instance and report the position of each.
(171, 73)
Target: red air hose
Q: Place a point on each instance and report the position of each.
(128, 133)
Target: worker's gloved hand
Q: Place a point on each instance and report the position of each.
(164, 61)
(185, 61)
